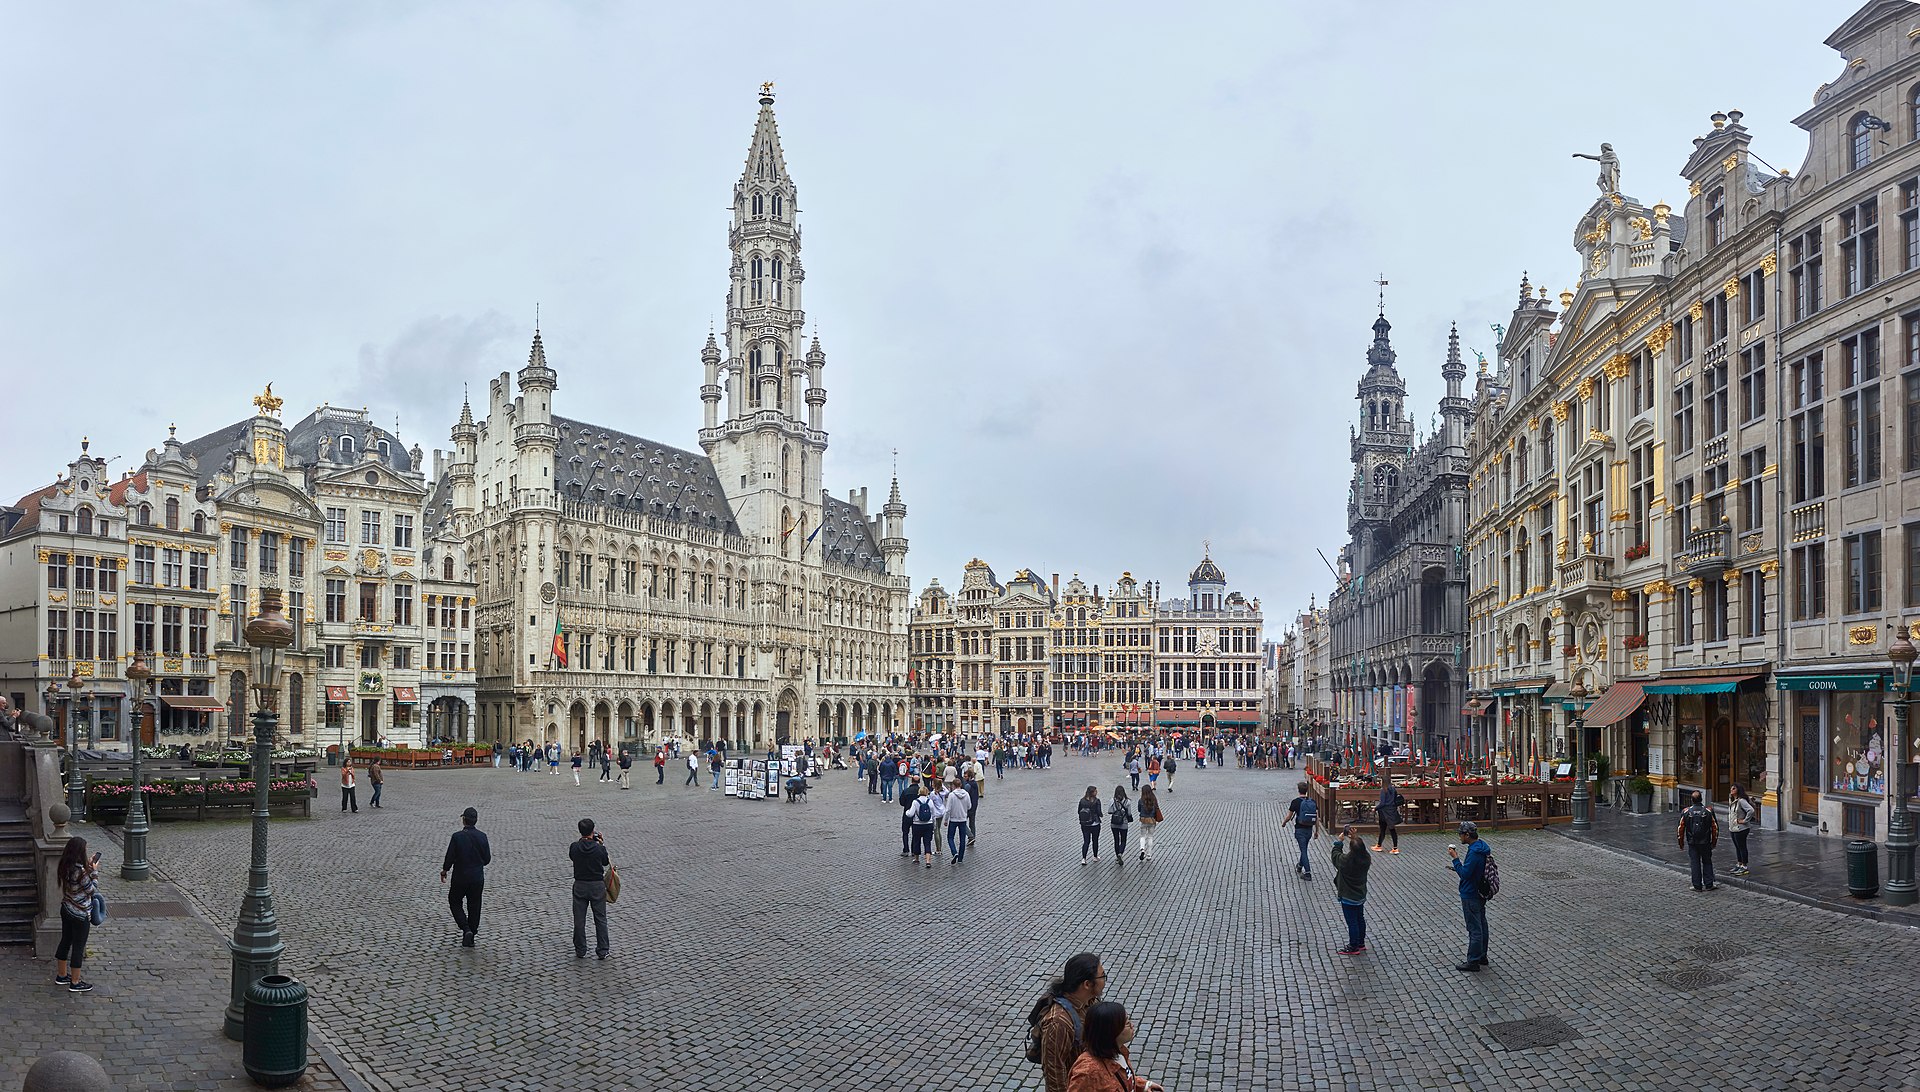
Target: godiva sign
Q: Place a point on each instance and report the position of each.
(1829, 682)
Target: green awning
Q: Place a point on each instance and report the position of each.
(1829, 682)
(1520, 691)
(1704, 684)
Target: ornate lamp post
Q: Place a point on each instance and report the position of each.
(1900, 834)
(133, 865)
(76, 785)
(1582, 803)
(256, 943)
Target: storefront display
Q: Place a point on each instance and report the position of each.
(1857, 747)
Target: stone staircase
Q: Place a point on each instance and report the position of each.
(19, 894)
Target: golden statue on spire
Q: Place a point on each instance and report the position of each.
(267, 404)
(767, 88)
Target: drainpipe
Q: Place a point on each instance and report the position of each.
(1778, 367)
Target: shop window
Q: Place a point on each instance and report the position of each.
(1858, 746)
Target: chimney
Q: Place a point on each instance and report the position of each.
(438, 457)
(1056, 585)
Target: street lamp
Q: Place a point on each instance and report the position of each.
(1900, 834)
(256, 943)
(133, 864)
(1582, 804)
(76, 785)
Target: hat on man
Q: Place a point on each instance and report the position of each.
(1468, 828)
(470, 817)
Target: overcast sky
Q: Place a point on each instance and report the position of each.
(1102, 272)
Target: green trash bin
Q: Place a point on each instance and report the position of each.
(274, 1043)
(1863, 868)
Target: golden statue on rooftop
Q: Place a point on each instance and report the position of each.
(267, 404)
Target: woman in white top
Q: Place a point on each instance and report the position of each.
(954, 804)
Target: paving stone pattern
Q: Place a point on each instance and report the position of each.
(768, 945)
(154, 1018)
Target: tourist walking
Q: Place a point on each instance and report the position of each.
(626, 769)
(1167, 767)
(1153, 771)
(716, 763)
(1472, 870)
(909, 792)
(496, 754)
(1089, 809)
(958, 802)
(659, 765)
(920, 814)
(1133, 770)
(1104, 1065)
(693, 767)
(606, 763)
(1055, 1023)
(1120, 814)
(1350, 863)
(872, 763)
(347, 782)
(1742, 819)
(553, 760)
(576, 767)
(377, 779)
(77, 873)
(1150, 818)
(1304, 816)
(1387, 811)
(468, 855)
(1699, 832)
(590, 864)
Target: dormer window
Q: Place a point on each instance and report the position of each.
(1717, 217)
(346, 447)
(383, 448)
(83, 521)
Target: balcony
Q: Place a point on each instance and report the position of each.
(1587, 574)
(1707, 552)
(1807, 522)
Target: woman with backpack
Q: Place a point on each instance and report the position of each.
(1089, 809)
(1121, 813)
(923, 809)
(1150, 817)
(1055, 1032)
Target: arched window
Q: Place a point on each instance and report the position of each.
(758, 272)
(446, 567)
(383, 448)
(757, 208)
(173, 514)
(237, 703)
(776, 206)
(1913, 113)
(83, 521)
(346, 447)
(146, 515)
(776, 276)
(1860, 147)
(199, 523)
(1717, 216)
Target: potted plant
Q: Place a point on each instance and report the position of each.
(1641, 790)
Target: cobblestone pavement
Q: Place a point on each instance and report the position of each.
(767, 945)
(154, 1017)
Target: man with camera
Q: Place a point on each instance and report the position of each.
(590, 864)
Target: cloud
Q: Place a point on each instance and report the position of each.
(420, 372)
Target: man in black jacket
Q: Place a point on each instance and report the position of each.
(909, 792)
(590, 863)
(468, 855)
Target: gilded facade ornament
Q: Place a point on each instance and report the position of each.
(1696, 585)
(1661, 211)
(1621, 595)
(267, 404)
(1731, 289)
(1642, 226)
(1730, 162)
(45, 555)
(1769, 263)
(1863, 635)
(1619, 364)
(1732, 577)
(1586, 389)
(1560, 410)
(1639, 661)
(1696, 310)
(1566, 300)
(1693, 189)
(1532, 423)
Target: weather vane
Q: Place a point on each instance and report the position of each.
(1382, 282)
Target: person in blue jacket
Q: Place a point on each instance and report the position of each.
(1471, 867)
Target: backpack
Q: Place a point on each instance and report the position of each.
(1309, 814)
(922, 813)
(1120, 813)
(1490, 878)
(1699, 826)
(1034, 1048)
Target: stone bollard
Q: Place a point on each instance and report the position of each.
(67, 1071)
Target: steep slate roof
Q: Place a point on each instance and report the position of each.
(627, 473)
(303, 443)
(846, 539)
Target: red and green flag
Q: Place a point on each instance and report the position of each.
(559, 644)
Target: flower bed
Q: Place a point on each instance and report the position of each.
(464, 754)
(194, 799)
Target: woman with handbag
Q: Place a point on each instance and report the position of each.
(1150, 817)
(78, 909)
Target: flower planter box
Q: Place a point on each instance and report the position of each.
(167, 801)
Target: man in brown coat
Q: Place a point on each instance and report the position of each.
(1061, 1014)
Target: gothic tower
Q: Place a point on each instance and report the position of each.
(1381, 446)
(766, 449)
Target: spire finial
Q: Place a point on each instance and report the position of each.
(170, 430)
(1382, 282)
(766, 93)
(536, 318)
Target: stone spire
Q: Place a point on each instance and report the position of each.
(1454, 370)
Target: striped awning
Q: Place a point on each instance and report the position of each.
(1619, 701)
